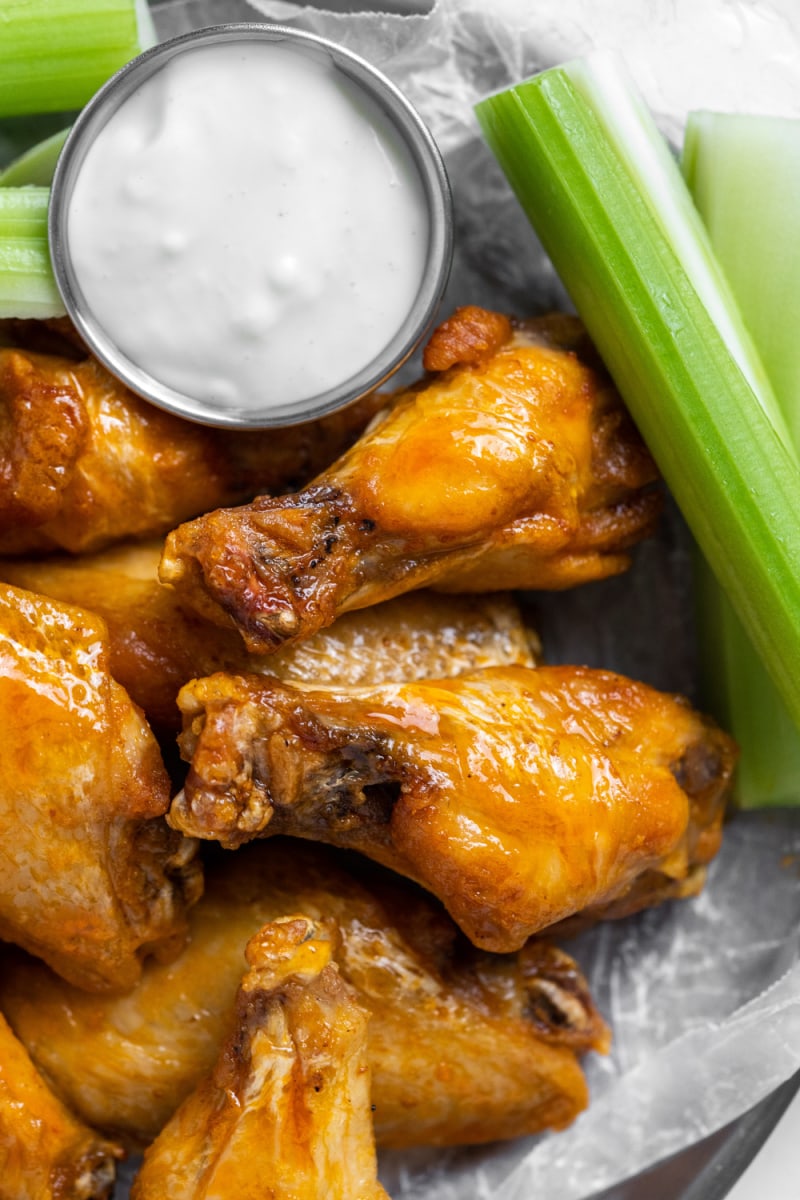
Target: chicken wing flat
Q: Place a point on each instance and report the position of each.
(157, 643)
(513, 465)
(91, 877)
(464, 1046)
(286, 1110)
(518, 796)
(45, 1153)
(84, 462)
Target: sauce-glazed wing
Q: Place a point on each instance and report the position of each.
(519, 796)
(84, 462)
(285, 1113)
(513, 465)
(467, 1047)
(157, 643)
(45, 1152)
(464, 1046)
(91, 877)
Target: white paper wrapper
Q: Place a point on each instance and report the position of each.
(703, 996)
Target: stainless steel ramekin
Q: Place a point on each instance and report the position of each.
(406, 122)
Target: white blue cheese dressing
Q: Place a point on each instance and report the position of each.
(248, 227)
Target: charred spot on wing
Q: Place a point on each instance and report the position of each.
(546, 1008)
(559, 1004)
(705, 768)
(349, 808)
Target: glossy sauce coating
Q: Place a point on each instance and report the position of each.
(91, 878)
(519, 796)
(464, 1047)
(84, 462)
(45, 1152)
(514, 467)
(285, 1113)
(157, 642)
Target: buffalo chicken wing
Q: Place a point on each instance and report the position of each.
(285, 1113)
(45, 1152)
(157, 643)
(464, 1046)
(91, 877)
(513, 465)
(84, 462)
(519, 796)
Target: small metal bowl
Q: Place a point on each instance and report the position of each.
(424, 154)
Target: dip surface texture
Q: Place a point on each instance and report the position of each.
(248, 227)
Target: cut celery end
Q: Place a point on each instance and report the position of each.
(610, 206)
(35, 166)
(27, 285)
(744, 172)
(55, 54)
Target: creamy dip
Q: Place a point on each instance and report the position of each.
(248, 227)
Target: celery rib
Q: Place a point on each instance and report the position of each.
(55, 54)
(744, 174)
(27, 285)
(571, 158)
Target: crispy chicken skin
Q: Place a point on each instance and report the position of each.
(513, 465)
(84, 462)
(464, 1046)
(45, 1153)
(157, 643)
(518, 796)
(91, 877)
(285, 1113)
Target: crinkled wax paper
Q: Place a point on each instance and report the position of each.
(703, 996)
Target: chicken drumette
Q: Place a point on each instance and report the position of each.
(519, 796)
(513, 465)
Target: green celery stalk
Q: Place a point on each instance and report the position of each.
(608, 201)
(736, 688)
(27, 286)
(55, 54)
(35, 166)
(744, 174)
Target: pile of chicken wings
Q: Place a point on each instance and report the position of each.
(294, 815)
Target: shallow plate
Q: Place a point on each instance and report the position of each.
(709, 1169)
